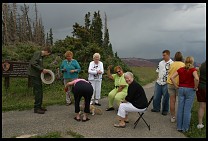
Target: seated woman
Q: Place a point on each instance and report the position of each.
(120, 91)
(135, 101)
(81, 88)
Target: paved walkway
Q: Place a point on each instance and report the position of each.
(60, 118)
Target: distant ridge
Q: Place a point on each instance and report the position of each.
(140, 62)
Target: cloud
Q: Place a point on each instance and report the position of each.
(135, 29)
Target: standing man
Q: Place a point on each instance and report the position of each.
(34, 71)
(161, 85)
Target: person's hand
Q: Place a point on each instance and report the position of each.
(195, 89)
(109, 67)
(123, 101)
(120, 89)
(45, 71)
(99, 72)
(72, 71)
(64, 70)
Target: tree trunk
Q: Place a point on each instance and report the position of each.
(5, 21)
(15, 21)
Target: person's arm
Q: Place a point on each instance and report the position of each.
(91, 70)
(101, 68)
(34, 62)
(121, 87)
(122, 84)
(172, 78)
(77, 67)
(196, 80)
(108, 72)
(132, 91)
(69, 83)
(62, 67)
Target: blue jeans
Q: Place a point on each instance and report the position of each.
(161, 90)
(185, 102)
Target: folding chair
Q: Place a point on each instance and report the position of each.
(142, 113)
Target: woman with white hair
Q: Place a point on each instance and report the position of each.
(135, 101)
(95, 71)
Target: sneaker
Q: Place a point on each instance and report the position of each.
(172, 119)
(199, 126)
(91, 102)
(39, 111)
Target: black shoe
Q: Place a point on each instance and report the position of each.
(153, 110)
(39, 111)
(109, 109)
(98, 104)
(164, 113)
(44, 109)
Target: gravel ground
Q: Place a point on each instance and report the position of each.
(60, 118)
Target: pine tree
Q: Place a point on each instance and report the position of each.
(47, 39)
(106, 42)
(96, 29)
(51, 37)
(87, 21)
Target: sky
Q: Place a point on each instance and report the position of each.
(136, 29)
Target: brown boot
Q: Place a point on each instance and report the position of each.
(39, 111)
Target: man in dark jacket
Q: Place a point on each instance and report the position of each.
(135, 101)
(34, 71)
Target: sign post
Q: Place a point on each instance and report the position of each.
(14, 69)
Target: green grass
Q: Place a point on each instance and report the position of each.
(145, 74)
(49, 135)
(74, 134)
(20, 97)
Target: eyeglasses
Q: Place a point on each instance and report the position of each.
(118, 71)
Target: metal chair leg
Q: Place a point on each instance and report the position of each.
(146, 123)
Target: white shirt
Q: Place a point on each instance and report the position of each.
(92, 70)
(162, 70)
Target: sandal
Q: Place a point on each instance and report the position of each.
(109, 109)
(85, 120)
(126, 121)
(119, 126)
(77, 119)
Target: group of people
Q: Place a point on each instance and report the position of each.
(180, 78)
(175, 78)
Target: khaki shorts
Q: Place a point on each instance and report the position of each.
(172, 90)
